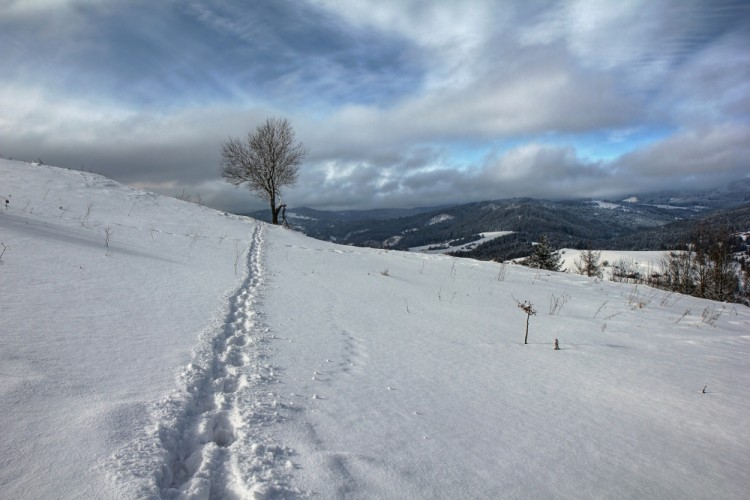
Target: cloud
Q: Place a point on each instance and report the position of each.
(427, 177)
(401, 103)
(545, 96)
(697, 157)
(167, 54)
(713, 85)
(180, 148)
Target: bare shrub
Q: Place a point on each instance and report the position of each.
(194, 235)
(687, 311)
(556, 303)
(711, 315)
(528, 308)
(237, 254)
(625, 271)
(600, 308)
(87, 214)
(107, 237)
(635, 301)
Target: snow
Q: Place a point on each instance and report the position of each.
(642, 262)
(91, 336)
(294, 215)
(392, 241)
(206, 355)
(671, 207)
(441, 248)
(605, 204)
(632, 199)
(439, 218)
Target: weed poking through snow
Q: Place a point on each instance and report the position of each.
(107, 237)
(556, 303)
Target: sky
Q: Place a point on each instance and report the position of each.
(401, 103)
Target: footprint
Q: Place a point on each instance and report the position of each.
(238, 340)
(235, 357)
(218, 428)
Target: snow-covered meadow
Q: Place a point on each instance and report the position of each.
(152, 348)
(445, 247)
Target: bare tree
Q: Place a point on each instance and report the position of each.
(588, 263)
(705, 269)
(266, 161)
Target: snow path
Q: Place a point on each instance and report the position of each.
(210, 438)
(198, 446)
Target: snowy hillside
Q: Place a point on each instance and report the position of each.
(151, 348)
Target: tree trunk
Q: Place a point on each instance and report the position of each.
(274, 211)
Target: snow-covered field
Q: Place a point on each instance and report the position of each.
(206, 355)
(446, 246)
(640, 262)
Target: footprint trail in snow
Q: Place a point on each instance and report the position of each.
(211, 438)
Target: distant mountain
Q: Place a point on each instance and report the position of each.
(357, 215)
(639, 222)
(675, 234)
(312, 215)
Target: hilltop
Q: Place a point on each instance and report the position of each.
(153, 348)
